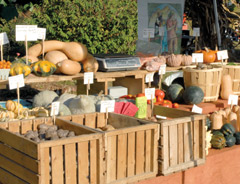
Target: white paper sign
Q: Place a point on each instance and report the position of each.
(150, 93)
(3, 38)
(88, 78)
(41, 33)
(233, 100)
(107, 106)
(196, 31)
(223, 54)
(161, 31)
(149, 77)
(17, 80)
(148, 33)
(197, 57)
(196, 109)
(55, 108)
(29, 31)
(162, 69)
(161, 117)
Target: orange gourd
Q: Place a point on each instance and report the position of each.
(209, 56)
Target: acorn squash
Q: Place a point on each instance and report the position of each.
(230, 140)
(175, 93)
(193, 95)
(218, 141)
(20, 68)
(217, 132)
(43, 68)
(227, 129)
(237, 135)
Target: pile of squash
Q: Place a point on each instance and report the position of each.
(178, 60)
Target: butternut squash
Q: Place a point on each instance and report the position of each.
(90, 64)
(226, 87)
(217, 120)
(232, 119)
(54, 57)
(235, 108)
(69, 67)
(238, 121)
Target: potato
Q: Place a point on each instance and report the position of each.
(36, 139)
(50, 133)
(71, 134)
(107, 128)
(43, 127)
(53, 128)
(54, 137)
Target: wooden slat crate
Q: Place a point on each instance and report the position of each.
(73, 160)
(131, 149)
(182, 140)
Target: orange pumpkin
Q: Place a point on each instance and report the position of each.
(209, 56)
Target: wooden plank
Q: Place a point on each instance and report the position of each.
(165, 148)
(155, 141)
(180, 144)
(79, 119)
(25, 126)
(20, 143)
(69, 118)
(131, 154)
(7, 178)
(4, 125)
(202, 133)
(148, 150)
(93, 161)
(18, 157)
(45, 165)
(83, 162)
(196, 140)
(111, 159)
(187, 142)
(90, 120)
(14, 126)
(57, 165)
(101, 120)
(70, 164)
(37, 122)
(140, 152)
(173, 145)
(121, 156)
(18, 170)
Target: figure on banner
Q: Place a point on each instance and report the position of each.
(171, 32)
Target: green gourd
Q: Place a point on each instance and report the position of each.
(230, 140)
(237, 135)
(227, 129)
(218, 141)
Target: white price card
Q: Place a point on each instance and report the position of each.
(196, 31)
(16, 81)
(3, 38)
(161, 31)
(162, 69)
(55, 108)
(149, 77)
(28, 32)
(196, 109)
(148, 33)
(223, 54)
(88, 78)
(197, 57)
(150, 93)
(41, 33)
(107, 106)
(233, 100)
(161, 117)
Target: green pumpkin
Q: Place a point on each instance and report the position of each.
(218, 141)
(227, 129)
(193, 95)
(237, 135)
(208, 123)
(217, 132)
(43, 68)
(230, 140)
(175, 93)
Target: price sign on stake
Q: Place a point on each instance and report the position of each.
(16, 81)
(196, 109)
(149, 77)
(88, 78)
(55, 108)
(197, 57)
(223, 54)
(148, 33)
(162, 69)
(196, 31)
(150, 93)
(26, 31)
(4, 38)
(107, 106)
(41, 33)
(233, 100)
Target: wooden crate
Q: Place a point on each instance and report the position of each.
(72, 160)
(131, 149)
(182, 140)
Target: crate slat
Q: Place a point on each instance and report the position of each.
(57, 164)
(196, 140)
(90, 120)
(7, 177)
(101, 121)
(78, 118)
(140, 139)
(180, 144)
(111, 158)
(148, 151)
(93, 161)
(121, 156)
(25, 126)
(83, 162)
(173, 146)
(70, 164)
(44, 166)
(14, 126)
(131, 154)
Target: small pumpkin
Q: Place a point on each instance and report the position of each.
(230, 140)
(174, 60)
(7, 114)
(217, 132)
(227, 129)
(20, 68)
(237, 135)
(186, 60)
(209, 56)
(218, 141)
(43, 68)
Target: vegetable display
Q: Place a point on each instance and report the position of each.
(43, 68)
(193, 95)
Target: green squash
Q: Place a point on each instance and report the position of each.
(227, 129)
(217, 132)
(237, 135)
(218, 141)
(193, 95)
(43, 68)
(208, 123)
(174, 93)
(230, 140)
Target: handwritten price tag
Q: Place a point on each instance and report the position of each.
(148, 33)
(197, 57)
(16, 81)
(29, 31)
(223, 54)
(196, 31)
(88, 78)
(233, 100)
(55, 108)
(3, 38)
(107, 105)
(149, 77)
(196, 109)
(162, 69)
(41, 33)
(150, 93)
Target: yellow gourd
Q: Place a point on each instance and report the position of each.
(20, 68)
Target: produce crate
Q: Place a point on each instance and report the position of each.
(131, 148)
(71, 160)
(182, 140)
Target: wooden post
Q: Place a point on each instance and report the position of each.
(26, 47)
(160, 81)
(1, 45)
(196, 43)
(18, 97)
(43, 47)
(88, 86)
